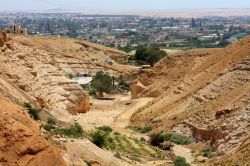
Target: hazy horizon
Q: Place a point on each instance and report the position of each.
(15, 5)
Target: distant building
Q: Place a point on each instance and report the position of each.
(16, 29)
(193, 24)
(122, 42)
(232, 39)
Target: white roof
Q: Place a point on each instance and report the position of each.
(82, 80)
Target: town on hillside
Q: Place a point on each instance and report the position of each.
(126, 32)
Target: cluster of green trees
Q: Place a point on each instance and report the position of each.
(104, 83)
(149, 54)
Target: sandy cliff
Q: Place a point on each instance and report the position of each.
(21, 143)
(204, 94)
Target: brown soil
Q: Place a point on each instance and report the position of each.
(21, 142)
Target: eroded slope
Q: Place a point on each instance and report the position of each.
(41, 67)
(204, 94)
(21, 142)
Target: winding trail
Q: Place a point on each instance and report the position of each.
(117, 114)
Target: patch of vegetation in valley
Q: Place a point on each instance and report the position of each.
(207, 152)
(72, 131)
(180, 161)
(104, 83)
(105, 138)
(121, 145)
(157, 138)
(142, 130)
(148, 55)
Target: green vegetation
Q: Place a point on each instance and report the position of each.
(127, 49)
(51, 122)
(102, 139)
(207, 152)
(49, 127)
(105, 138)
(121, 145)
(145, 129)
(194, 42)
(102, 82)
(149, 55)
(74, 130)
(34, 112)
(157, 138)
(180, 161)
(105, 128)
(90, 89)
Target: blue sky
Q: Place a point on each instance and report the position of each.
(121, 4)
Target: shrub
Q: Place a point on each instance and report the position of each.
(102, 82)
(157, 138)
(116, 133)
(48, 127)
(207, 152)
(180, 139)
(74, 130)
(105, 128)
(145, 129)
(100, 138)
(180, 161)
(51, 121)
(34, 112)
(90, 89)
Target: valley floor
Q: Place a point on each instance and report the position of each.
(115, 114)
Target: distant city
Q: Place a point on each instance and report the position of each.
(126, 32)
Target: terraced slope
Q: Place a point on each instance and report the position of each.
(204, 94)
(38, 69)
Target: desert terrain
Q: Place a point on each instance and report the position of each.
(201, 94)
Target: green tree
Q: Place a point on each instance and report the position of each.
(102, 82)
(150, 55)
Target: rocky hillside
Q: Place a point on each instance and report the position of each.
(203, 94)
(21, 143)
(38, 69)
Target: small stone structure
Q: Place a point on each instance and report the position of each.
(16, 29)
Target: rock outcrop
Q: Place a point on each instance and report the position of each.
(136, 88)
(21, 143)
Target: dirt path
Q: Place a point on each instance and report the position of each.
(182, 151)
(123, 119)
(116, 114)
